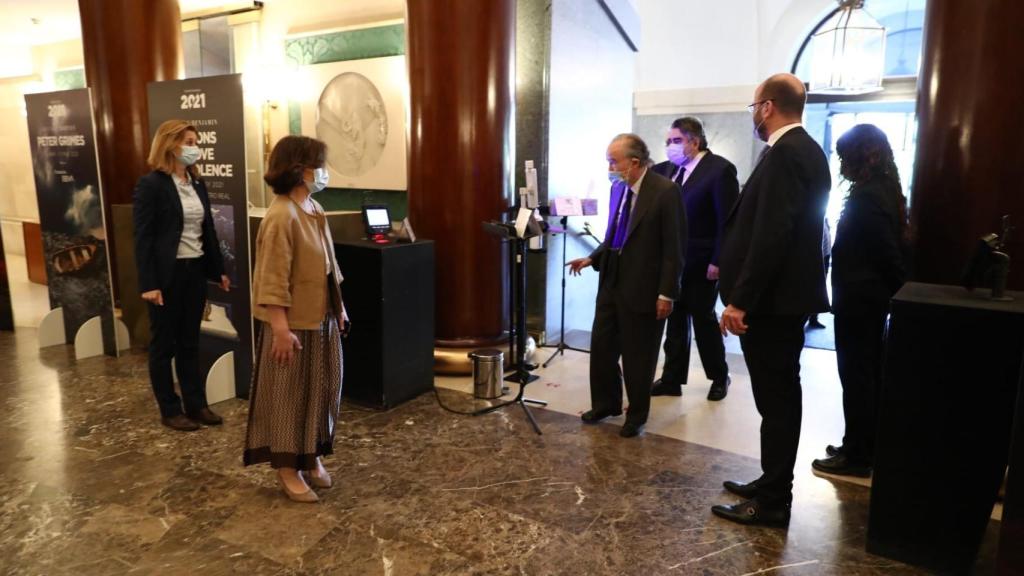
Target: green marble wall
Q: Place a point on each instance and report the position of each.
(350, 45)
(69, 79)
(375, 42)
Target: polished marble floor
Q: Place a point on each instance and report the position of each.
(90, 483)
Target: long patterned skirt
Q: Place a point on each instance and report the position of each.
(294, 407)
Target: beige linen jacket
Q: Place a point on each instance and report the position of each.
(290, 268)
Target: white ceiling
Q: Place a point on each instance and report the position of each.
(58, 19)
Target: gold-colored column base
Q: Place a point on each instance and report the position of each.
(455, 361)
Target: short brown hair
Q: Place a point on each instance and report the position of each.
(290, 157)
(167, 137)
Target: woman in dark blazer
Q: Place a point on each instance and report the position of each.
(176, 252)
(867, 269)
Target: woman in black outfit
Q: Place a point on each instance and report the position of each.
(867, 269)
(176, 252)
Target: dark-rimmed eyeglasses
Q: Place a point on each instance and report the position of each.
(752, 107)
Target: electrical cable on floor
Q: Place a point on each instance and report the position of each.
(475, 412)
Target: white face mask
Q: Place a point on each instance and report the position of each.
(189, 155)
(676, 155)
(320, 178)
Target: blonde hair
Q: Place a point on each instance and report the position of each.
(167, 137)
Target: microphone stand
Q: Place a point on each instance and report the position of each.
(518, 323)
(562, 346)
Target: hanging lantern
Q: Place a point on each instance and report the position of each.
(848, 52)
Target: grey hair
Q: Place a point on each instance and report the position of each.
(635, 147)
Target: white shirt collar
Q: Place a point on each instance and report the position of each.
(639, 182)
(636, 188)
(780, 132)
(693, 163)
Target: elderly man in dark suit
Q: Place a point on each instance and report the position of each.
(640, 264)
(710, 189)
(772, 278)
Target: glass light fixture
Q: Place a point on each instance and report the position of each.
(848, 52)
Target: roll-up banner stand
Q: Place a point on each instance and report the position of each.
(63, 144)
(213, 104)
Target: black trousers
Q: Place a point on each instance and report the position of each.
(696, 305)
(859, 347)
(174, 333)
(772, 347)
(620, 332)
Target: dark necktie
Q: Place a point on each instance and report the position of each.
(623, 223)
(679, 175)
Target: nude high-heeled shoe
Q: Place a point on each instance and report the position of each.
(319, 481)
(307, 497)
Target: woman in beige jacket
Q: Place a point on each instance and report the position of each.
(296, 386)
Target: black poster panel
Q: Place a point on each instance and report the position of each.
(67, 180)
(6, 312)
(213, 105)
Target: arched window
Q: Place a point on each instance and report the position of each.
(903, 21)
(828, 117)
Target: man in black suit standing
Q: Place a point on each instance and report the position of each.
(772, 278)
(640, 263)
(710, 188)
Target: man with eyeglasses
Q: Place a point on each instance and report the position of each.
(772, 277)
(709, 188)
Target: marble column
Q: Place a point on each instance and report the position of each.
(126, 45)
(461, 57)
(969, 169)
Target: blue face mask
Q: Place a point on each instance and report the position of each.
(614, 176)
(189, 155)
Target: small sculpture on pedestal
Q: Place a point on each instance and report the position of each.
(990, 265)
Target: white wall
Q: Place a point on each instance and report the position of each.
(589, 103)
(705, 58)
(697, 44)
(17, 184)
(701, 56)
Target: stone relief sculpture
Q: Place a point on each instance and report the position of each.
(357, 107)
(352, 120)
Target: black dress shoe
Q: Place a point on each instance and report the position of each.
(747, 491)
(662, 388)
(834, 450)
(631, 430)
(719, 389)
(753, 513)
(593, 417)
(840, 465)
(206, 416)
(179, 422)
